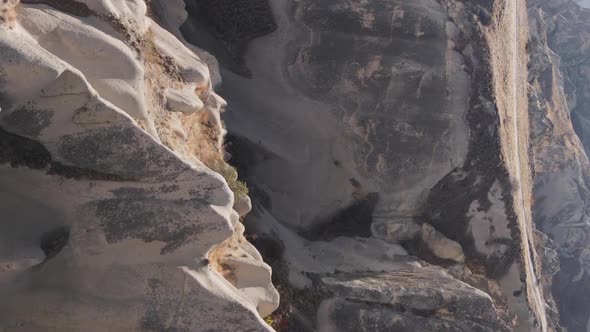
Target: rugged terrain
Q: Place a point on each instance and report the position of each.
(110, 219)
(401, 122)
(409, 165)
(559, 105)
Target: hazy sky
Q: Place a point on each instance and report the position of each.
(584, 3)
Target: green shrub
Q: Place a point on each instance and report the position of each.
(268, 319)
(230, 174)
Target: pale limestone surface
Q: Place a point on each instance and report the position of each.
(440, 245)
(183, 100)
(118, 226)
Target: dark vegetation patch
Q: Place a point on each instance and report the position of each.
(20, 151)
(230, 174)
(230, 25)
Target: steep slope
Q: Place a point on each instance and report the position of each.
(399, 154)
(400, 121)
(558, 107)
(109, 215)
(508, 59)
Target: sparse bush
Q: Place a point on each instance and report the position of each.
(231, 176)
(269, 320)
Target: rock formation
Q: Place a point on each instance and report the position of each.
(559, 106)
(394, 120)
(109, 214)
(409, 165)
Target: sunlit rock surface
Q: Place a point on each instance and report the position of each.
(108, 214)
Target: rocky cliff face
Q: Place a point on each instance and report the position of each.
(413, 165)
(395, 128)
(110, 219)
(559, 107)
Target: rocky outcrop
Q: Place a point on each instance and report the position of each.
(109, 214)
(184, 100)
(441, 246)
(395, 230)
(559, 106)
(381, 124)
(395, 181)
(408, 299)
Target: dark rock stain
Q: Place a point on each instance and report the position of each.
(120, 150)
(149, 219)
(20, 151)
(29, 122)
(169, 188)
